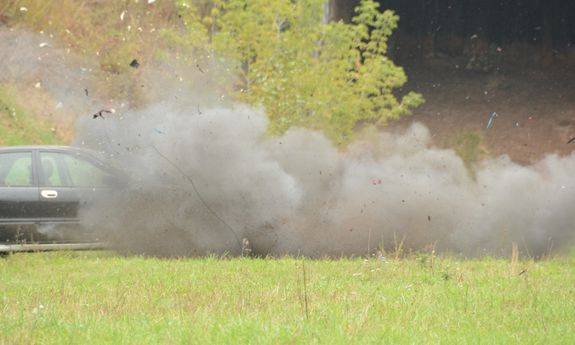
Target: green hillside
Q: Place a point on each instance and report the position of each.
(21, 126)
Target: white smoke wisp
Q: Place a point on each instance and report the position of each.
(28, 60)
(203, 181)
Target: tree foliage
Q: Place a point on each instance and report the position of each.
(306, 72)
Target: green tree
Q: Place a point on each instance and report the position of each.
(332, 76)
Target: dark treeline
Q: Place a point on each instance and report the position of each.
(548, 23)
(500, 21)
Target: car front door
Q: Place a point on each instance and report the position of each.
(18, 187)
(67, 181)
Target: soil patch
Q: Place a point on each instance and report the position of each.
(535, 108)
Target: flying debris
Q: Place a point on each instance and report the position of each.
(86, 92)
(101, 113)
(490, 121)
(199, 68)
(571, 140)
(134, 64)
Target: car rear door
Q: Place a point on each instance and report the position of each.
(19, 200)
(67, 181)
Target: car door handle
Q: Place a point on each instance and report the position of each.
(49, 194)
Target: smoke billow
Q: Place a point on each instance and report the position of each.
(203, 175)
(201, 182)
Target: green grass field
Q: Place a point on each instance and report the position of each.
(102, 298)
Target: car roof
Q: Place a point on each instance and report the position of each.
(73, 149)
(43, 147)
(38, 147)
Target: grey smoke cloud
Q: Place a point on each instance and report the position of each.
(298, 194)
(204, 175)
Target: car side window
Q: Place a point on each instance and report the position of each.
(84, 173)
(52, 171)
(16, 169)
(67, 170)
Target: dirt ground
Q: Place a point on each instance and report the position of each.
(535, 108)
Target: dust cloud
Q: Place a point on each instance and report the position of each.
(201, 181)
(203, 175)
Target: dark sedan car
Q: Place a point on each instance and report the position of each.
(42, 188)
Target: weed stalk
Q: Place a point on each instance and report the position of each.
(305, 290)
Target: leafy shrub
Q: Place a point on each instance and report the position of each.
(306, 72)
